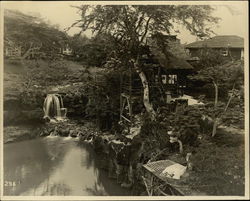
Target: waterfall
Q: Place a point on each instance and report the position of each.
(53, 108)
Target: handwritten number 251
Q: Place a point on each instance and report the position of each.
(10, 183)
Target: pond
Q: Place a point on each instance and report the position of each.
(56, 166)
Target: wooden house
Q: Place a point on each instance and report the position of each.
(171, 73)
(229, 46)
(15, 51)
(167, 79)
(66, 50)
(11, 49)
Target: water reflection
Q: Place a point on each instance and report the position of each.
(55, 166)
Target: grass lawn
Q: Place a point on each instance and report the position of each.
(219, 165)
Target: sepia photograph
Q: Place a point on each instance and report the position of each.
(124, 100)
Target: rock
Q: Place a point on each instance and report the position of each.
(185, 175)
(46, 119)
(72, 133)
(44, 133)
(64, 132)
(134, 131)
(123, 155)
(120, 173)
(79, 133)
(126, 185)
(53, 133)
(97, 143)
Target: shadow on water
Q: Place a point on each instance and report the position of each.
(29, 163)
(55, 166)
(102, 186)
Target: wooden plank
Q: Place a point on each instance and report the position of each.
(126, 118)
(122, 107)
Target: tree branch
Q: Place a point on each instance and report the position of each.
(216, 94)
(146, 30)
(140, 21)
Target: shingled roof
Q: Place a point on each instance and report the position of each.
(223, 41)
(174, 62)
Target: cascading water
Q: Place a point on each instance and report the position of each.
(53, 108)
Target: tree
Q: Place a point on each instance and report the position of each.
(229, 75)
(131, 25)
(77, 42)
(32, 33)
(93, 51)
(210, 57)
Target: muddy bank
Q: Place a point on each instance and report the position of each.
(20, 133)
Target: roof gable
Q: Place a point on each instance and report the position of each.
(167, 62)
(223, 41)
(173, 62)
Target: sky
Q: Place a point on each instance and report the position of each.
(233, 14)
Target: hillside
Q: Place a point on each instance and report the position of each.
(26, 31)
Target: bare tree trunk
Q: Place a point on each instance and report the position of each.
(216, 94)
(29, 51)
(180, 146)
(146, 101)
(218, 118)
(215, 106)
(229, 100)
(215, 127)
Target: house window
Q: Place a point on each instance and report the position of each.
(172, 79)
(164, 79)
(156, 78)
(169, 79)
(224, 53)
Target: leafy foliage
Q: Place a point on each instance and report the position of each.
(104, 99)
(77, 41)
(228, 76)
(130, 25)
(210, 57)
(234, 117)
(185, 123)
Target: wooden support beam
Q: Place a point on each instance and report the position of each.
(126, 118)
